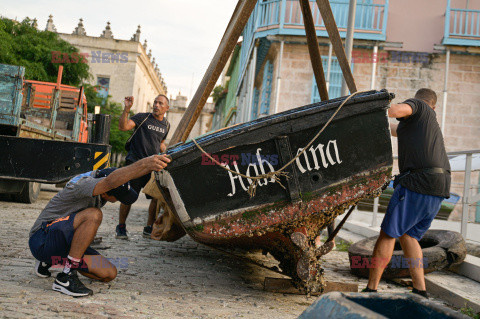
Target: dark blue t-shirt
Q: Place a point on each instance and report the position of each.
(149, 136)
(420, 145)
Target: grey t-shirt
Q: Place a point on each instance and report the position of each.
(76, 196)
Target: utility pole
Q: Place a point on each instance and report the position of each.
(349, 39)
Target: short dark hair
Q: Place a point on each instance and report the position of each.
(427, 95)
(168, 101)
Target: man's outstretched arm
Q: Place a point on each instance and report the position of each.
(122, 175)
(400, 110)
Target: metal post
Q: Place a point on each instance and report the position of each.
(349, 39)
(372, 87)
(375, 212)
(329, 65)
(477, 205)
(251, 84)
(374, 66)
(279, 78)
(445, 90)
(466, 195)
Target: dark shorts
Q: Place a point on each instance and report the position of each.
(52, 242)
(410, 213)
(140, 182)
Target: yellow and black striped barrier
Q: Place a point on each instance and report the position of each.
(102, 160)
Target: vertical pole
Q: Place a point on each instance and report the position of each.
(375, 211)
(349, 40)
(334, 35)
(466, 195)
(445, 90)
(477, 204)
(251, 84)
(376, 200)
(374, 66)
(279, 78)
(55, 102)
(313, 49)
(329, 65)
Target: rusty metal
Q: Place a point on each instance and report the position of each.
(328, 245)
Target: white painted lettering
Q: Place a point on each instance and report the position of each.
(232, 179)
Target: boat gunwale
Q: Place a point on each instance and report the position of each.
(187, 148)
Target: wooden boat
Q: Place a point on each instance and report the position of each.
(350, 160)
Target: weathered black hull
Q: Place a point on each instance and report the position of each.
(350, 160)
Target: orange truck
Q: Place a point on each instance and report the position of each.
(45, 134)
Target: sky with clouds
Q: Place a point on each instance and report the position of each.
(183, 34)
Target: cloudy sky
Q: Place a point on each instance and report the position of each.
(183, 34)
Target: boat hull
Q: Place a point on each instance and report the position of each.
(350, 160)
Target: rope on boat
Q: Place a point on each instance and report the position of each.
(280, 172)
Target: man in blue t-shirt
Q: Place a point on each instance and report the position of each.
(148, 138)
(423, 183)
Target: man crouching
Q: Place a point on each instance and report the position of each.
(68, 224)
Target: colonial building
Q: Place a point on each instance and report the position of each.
(120, 67)
(395, 47)
(399, 45)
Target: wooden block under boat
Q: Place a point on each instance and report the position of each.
(284, 285)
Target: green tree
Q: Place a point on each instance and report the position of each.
(22, 44)
(117, 137)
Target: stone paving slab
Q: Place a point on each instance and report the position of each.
(155, 279)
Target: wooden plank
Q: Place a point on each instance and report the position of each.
(234, 29)
(70, 94)
(285, 286)
(334, 36)
(313, 49)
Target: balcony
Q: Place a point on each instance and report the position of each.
(284, 17)
(462, 27)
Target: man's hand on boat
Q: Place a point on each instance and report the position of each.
(128, 103)
(155, 162)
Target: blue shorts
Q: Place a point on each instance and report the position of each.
(51, 243)
(410, 213)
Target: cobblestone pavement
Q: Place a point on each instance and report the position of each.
(155, 279)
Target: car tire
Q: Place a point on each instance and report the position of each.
(29, 193)
(441, 249)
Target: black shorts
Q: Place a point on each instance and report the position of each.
(140, 182)
(51, 243)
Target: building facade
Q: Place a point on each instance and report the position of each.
(399, 45)
(120, 67)
(270, 71)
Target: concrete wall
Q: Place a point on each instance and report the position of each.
(420, 24)
(462, 128)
